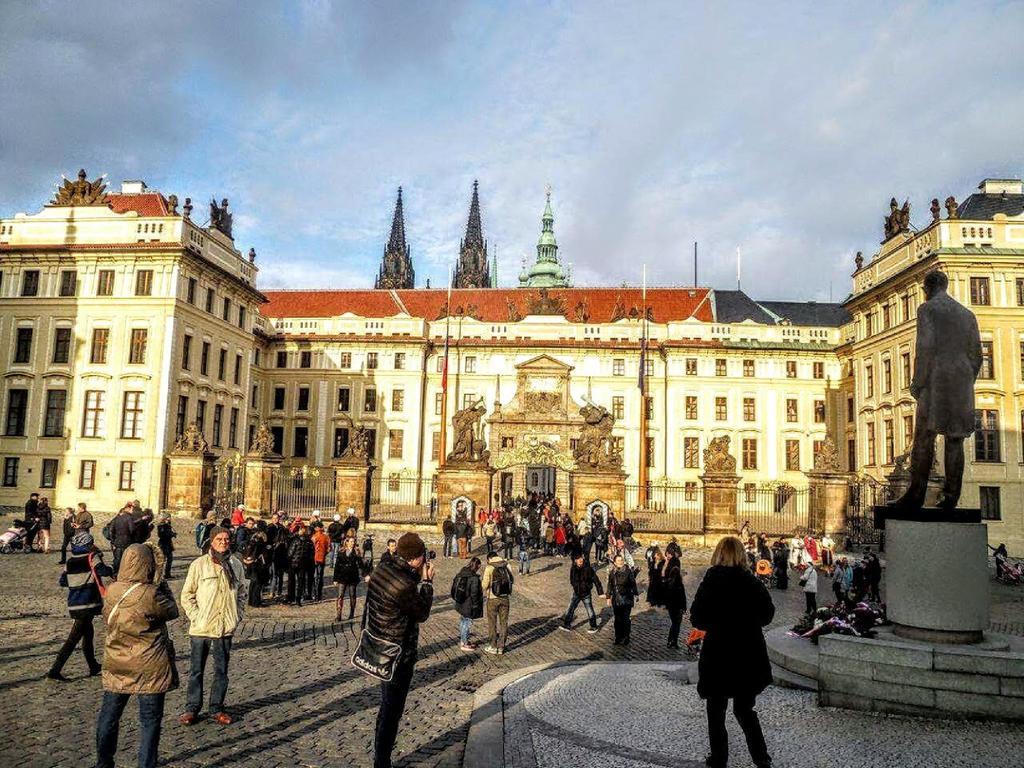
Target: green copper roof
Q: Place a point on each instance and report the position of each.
(547, 272)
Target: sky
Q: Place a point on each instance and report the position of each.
(778, 129)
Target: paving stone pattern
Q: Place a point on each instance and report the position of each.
(297, 699)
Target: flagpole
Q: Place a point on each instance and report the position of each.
(442, 442)
(642, 491)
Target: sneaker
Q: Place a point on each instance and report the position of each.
(188, 718)
(467, 648)
(566, 627)
(592, 630)
(491, 649)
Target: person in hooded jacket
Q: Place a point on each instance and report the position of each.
(83, 576)
(673, 592)
(349, 568)
(300, 564)
(467, 586)
(732, 606)
(622, 594)
(138, 656)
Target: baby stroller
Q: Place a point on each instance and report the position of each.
(13, 540)
(765, 573)
(693, 643)
(1012, 572)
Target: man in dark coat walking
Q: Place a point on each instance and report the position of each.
(946, 363)
(583, 579)
(122, 535)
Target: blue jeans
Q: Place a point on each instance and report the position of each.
(108, 727)
(465, 624)
(588, 603)
(202, 647)
(332, 553)
(524, 560)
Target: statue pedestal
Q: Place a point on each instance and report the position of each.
(608, 486)
(258, 472)
(351, 481)
(830, 498)
(190, 483)
(898, 482)
(471, 482)
(720, 503)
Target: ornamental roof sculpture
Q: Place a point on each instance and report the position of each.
(81, 191)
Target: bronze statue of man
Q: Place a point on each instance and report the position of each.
(946, 363)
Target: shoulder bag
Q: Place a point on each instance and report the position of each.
(375, 656)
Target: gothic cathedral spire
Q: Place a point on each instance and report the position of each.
(396, 267)
(473, 269)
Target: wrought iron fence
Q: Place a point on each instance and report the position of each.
(775, 509)
(300, 490)
(860, 517)
(228, 483)
(677, 508)
(402, 499)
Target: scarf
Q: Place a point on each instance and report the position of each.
(224, 561)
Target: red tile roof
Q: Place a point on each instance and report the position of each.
(493, 305)
(143, 203)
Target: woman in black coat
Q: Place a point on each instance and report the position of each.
(622, 593)
(732, 606)
(349, 568)
(673, 594)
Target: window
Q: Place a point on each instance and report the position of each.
(749, 493)
(226, 309)
(791, 369)
(397, 400)
(371, 361)
(395, 443)
(127, 479)
(181, 416)
(986, 436)
(209, 300)
(691, 366)
(648, 366)
(749, 409)
(98, 351)
(303, 404)
(886, 319)
(30, 283)
(750, 453)
(238, 368)
(470, 366)
(218, 424)
(507, 441)
(691, 407)
(617, 443)
(792, 455)
(301, 442)
(435, 446)
(649, 407)
(990, 508)
(851, 455)
(256, 358)
(905, 375)
(720, 367)
(721, 409)
(137, 350)
(201, 416)
(889, 445)
(190, 290)
(908, 432)
(868, 330)
(233, 429)
(748, 368)
(650, 452)
(988, 368)
(886, 376)
(346, 360)
(816, 447)
(849, 409)
(68, 282)
(92, 418)
(49, 474)
(618, 406)
(186, 352)
(305, 359)
(819, 411)
(468, 399)
(241, 317)
(438, 402)
(1020, 291)
(792, 411)
(144, 282)
(105, 283)
(344, 399)
(370, 400)
(56, 408)
(11, 471)
(17, 406)
(131, 415)
(618, 367)
(869, 380)
(340, 440)
(871, 443)
(222, 361)
(691, 453)
(819, 370)
(278, 398)
(23, 345)
(905, 302)
(400, 361)
(979, 292)
(87, 475)
(282, 360)
(61, 345)
(689, 491)
(254, 397)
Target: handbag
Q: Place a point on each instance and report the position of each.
(375, 656)
(96, 577)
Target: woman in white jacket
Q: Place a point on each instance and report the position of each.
(809, 582)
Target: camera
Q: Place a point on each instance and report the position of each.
(431, 554)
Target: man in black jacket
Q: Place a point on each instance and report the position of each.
(398, 598)
(300, 563)
(31, 521)
(122, 536)
(583, 579)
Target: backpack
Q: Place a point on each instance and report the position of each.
(501, 582)
(107, 531)
(460, 588)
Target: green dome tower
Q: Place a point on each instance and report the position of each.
(547, 272)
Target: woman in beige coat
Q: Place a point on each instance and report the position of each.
(138, 655)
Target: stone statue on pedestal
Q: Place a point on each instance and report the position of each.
(468, 444)
(946, 363)
(192, 441)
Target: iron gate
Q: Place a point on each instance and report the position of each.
(228, 483)
(860, 517)
(300, 490)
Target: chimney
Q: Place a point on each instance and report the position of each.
(133, 187)
(1002, 186)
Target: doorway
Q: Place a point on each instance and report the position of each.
(540, 479)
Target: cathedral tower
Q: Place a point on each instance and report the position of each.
(396, 267)
(546, 272)
(473, 269)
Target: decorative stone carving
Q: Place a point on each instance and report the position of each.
(826, 459)
(858, 260)
(172, 205)
(262, 441)
(192, 441)
(220, 219)
(935, 209)
(594, 448)
(951, 208)
(252, 255)
(472, 310)
(545, 304)
(619, 310)
(581, 313)
(542, 402)
(358, 449)
(717, 459)
(81, 192)
(444, 311)
(468, 445)
(514, 315)
(187, 208)
(898, 219)
(531, 450)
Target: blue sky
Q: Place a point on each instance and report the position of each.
(779, 129)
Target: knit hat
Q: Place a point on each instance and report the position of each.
(410, 546)
(81, 542)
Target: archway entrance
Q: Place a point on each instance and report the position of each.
(541, 478)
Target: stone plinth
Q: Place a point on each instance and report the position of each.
(258, 472)
(462, 480)
(190, 483)
(897, 484)
(351, 481)
(830, 498)
(937, 580)
(720, 503)
(609, 487)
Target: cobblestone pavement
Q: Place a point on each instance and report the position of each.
(647, 714)
(297, 699)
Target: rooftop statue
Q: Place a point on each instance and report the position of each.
(81, 191)
(192, 441)
(220, 219)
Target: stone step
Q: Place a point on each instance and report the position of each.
(786, 679)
